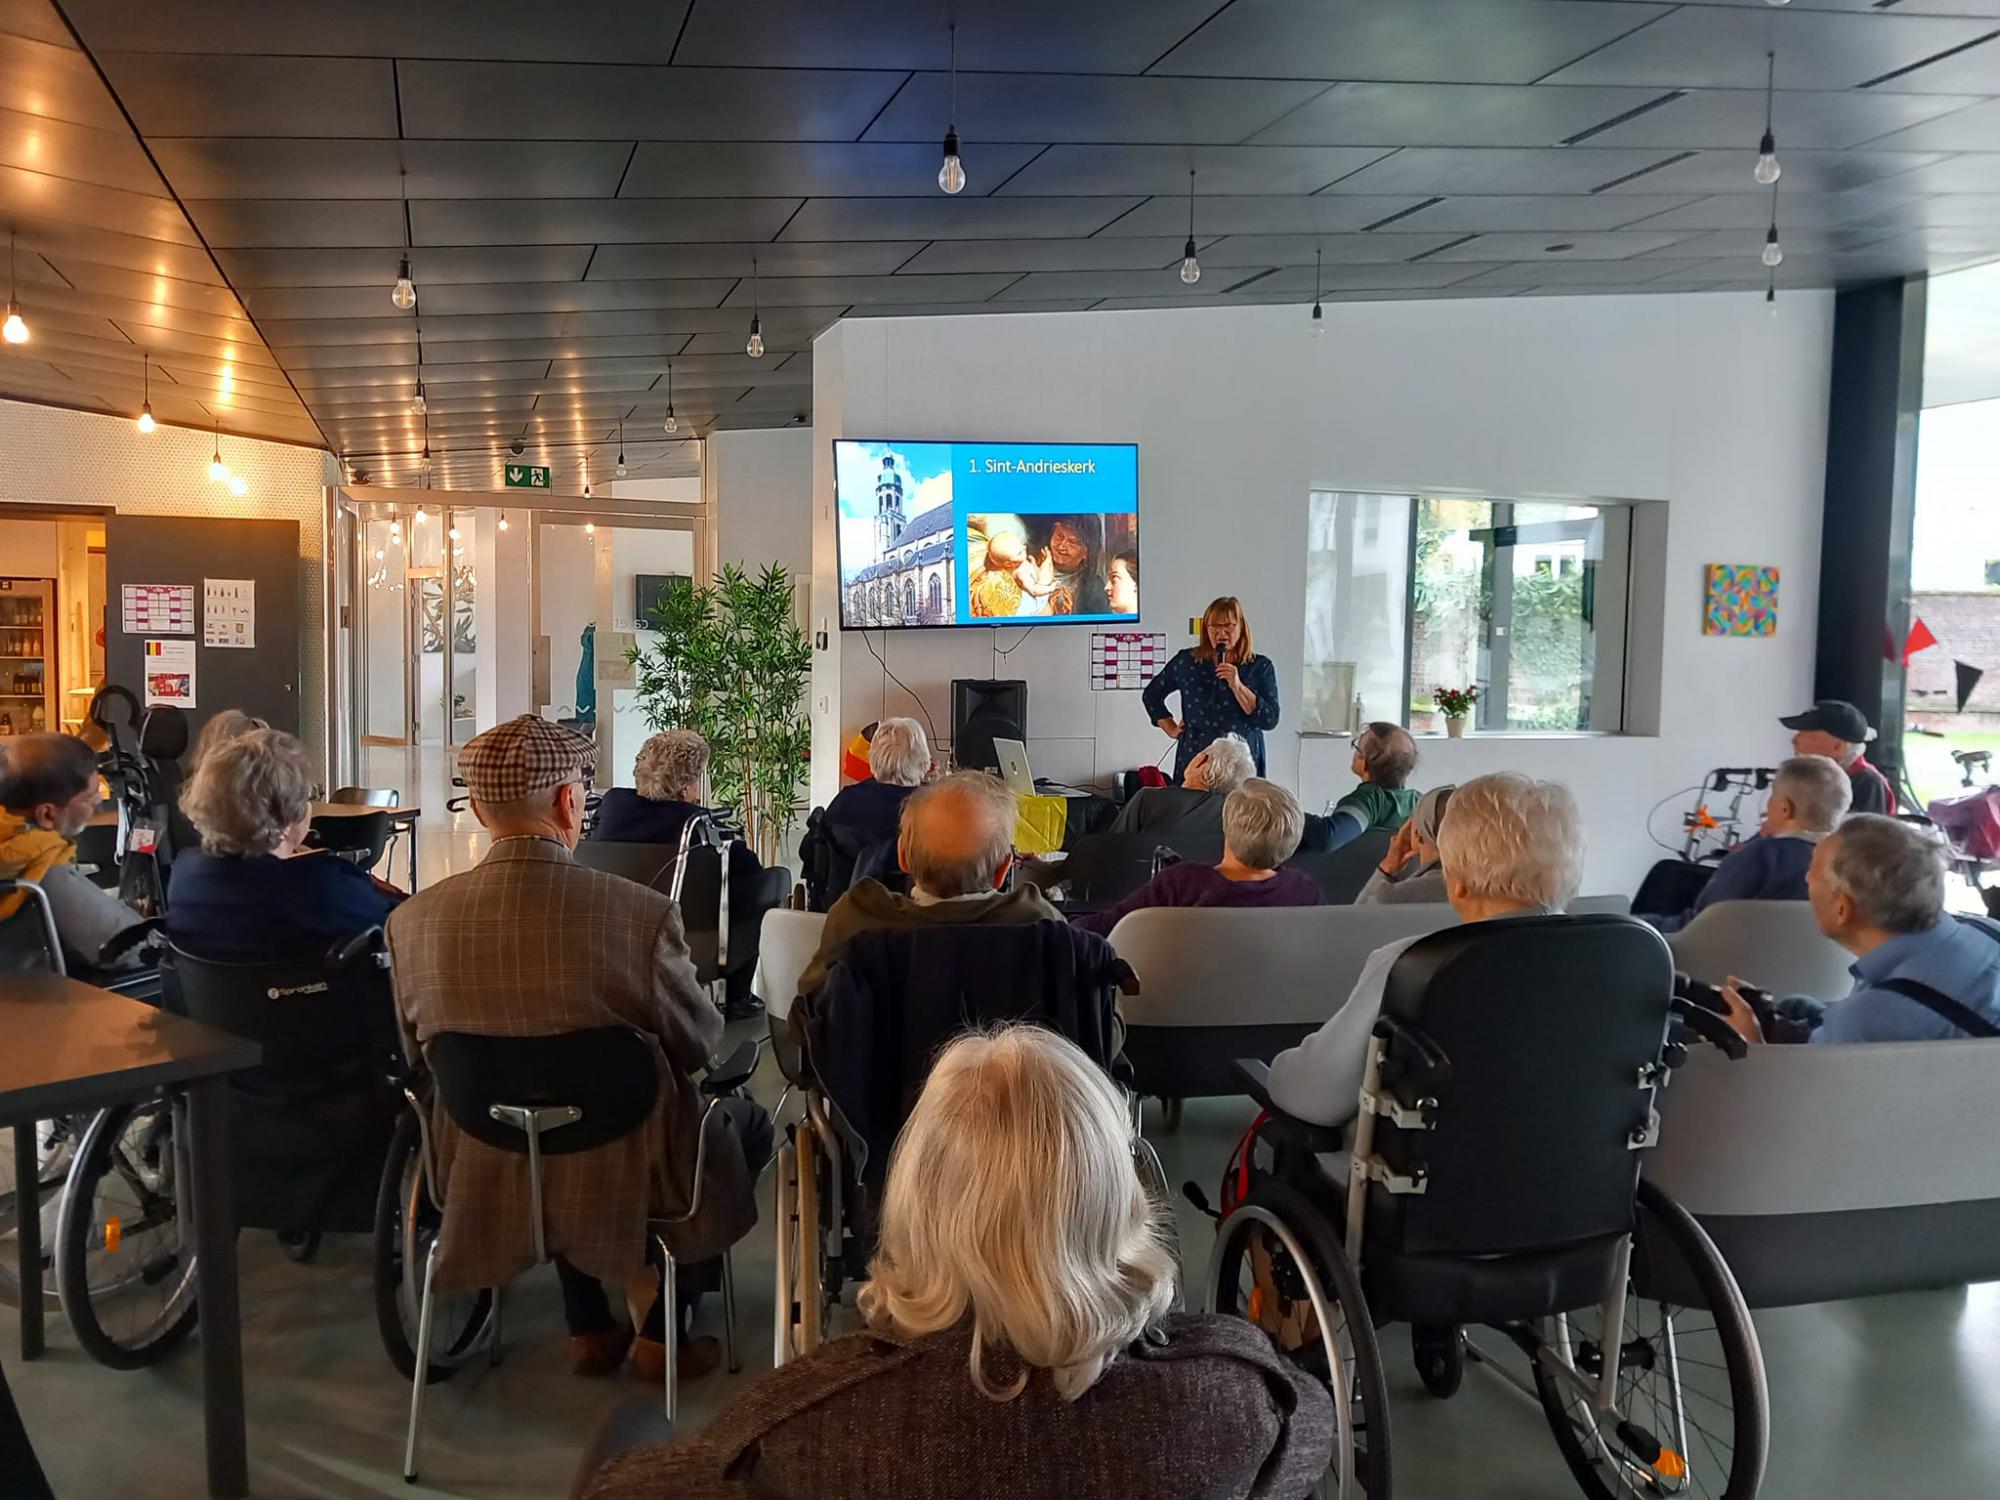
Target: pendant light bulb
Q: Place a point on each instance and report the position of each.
(146, 422)
(405, 294)
(1773, 254)
(755, 348)
(1771, 300)
(1190, 266)
(951, 174)
(673, 423)
(418, 405)
(422, 516)
(452, 533)
(15, 329)
(217, 470)
(1768, 171)
(1318, 321)
(621, 451)
(238, 485)
(589, 527)
(503, 520)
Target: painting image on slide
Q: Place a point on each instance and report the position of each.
(1049, 566)
(898, 552)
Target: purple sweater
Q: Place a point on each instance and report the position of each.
(1188, 884)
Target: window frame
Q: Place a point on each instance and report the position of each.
(1630, 668)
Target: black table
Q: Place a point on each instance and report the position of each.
(72, 1047)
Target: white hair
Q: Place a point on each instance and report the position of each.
(1012, 1197)
(247, 791)
(1892, 871)
(1509, 837)
(1228, 763)
(1818, 789)
(669, 766)
(899, 755)
(1262, 824)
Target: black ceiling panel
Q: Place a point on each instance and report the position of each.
(292, 223)
(271, 167)
(377, 268)
(597, 221)
(817, 291)
(1042, 107)
(789, 258)
(1503, 213)
(785, 169)
(1446, 171)
(556, 101)
(1104, 36)
(1428, 41)
(179, 94)
(1105, 170)
(1326, 214)
(1104, 254)
(941, 218)
(1444, 114)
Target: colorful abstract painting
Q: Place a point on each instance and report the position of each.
(1742, 600)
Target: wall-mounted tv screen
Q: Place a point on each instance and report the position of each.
(986, 533)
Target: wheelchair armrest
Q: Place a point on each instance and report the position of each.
(1432, 1056)
(1711, 1027)
(136, 936)
(1319, 1139)
(342, 955)
(733, 1071)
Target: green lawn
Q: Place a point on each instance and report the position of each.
(1932, 770)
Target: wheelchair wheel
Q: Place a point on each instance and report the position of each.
(55, 1149)
(405, 1226)
(124, 1257)
(1153, 1178)
(1440, 1358)
(1278, 1265)
(1693, 1415)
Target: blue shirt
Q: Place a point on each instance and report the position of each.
(1764, 869)
(1959, 957)
(873, 807)
(1209, 710)
(261, 908)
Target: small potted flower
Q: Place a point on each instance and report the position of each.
(1455, 704)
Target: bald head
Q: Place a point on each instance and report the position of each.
(958, 834)
(1385, 754)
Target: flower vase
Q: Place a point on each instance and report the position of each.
(1455, 726)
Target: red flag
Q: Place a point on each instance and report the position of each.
(1920, 639)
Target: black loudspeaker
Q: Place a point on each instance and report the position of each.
(983, 709)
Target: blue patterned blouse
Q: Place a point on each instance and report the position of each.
(1209, 710)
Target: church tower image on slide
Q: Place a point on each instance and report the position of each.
(888, 506)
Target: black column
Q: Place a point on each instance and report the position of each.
(1871, 468)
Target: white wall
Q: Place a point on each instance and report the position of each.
(1699, 401)
(761, 489)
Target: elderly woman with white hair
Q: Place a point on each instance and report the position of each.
(1261, 827)
(1195, 806)
(899, 761)
(1017, 1312)
(1510, 847)
(665, 792)
(250, 893)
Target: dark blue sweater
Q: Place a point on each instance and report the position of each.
(261, 908)
(1764, 869)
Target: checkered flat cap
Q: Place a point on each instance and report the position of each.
(524, 756)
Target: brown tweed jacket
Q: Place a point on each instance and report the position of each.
(1202, 1409)
(530, 943)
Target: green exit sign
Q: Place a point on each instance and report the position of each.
(527, 477)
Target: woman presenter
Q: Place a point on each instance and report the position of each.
(1225, 688)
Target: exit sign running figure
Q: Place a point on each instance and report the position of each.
(527, 477)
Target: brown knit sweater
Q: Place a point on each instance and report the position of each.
(1201, 1409)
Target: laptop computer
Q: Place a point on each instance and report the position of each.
(1013, 758)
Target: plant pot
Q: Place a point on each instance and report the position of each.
(1455, 727)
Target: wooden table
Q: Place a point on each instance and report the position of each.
(71, 1047)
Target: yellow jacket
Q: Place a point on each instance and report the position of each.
(28, 852)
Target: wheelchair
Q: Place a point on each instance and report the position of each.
(1492, 1178)
(307, 1126)
(828, 1183)
(142, 766)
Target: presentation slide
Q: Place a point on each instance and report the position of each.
(987, 533)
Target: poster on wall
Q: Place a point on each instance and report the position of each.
(1126, 660)
(157, 608)
(169, 673)
(1742, 599)
(229, 613)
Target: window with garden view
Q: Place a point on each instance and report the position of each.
(1523, 599)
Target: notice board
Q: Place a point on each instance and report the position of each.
(169, 559)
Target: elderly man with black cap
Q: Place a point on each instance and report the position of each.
(529, 943)
(1838, 731)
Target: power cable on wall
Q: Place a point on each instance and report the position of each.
(889, 677)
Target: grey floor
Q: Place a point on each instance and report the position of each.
(1890, 1397)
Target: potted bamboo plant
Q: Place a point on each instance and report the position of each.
(731, 663)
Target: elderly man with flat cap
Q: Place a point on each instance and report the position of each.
(529, 943)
